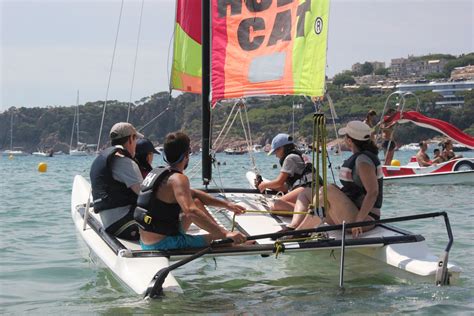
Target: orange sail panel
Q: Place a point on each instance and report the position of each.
(268, 47)
(186, 70)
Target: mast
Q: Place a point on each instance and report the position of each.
(11, 132)
(77, 122)
(206, 107)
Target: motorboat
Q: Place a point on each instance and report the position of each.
(455, 171)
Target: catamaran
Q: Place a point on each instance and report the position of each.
(257, 48)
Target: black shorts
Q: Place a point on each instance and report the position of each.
(385, 144)
(125, 228)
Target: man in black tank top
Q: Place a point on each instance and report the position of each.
(182, 205)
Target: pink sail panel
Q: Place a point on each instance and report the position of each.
(438, 125)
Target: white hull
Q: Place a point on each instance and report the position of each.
(455, 177)
(456, 171)
(15, 153)
(137, 271)
(40, 154)
(77, 153)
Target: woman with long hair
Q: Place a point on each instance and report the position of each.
(360, 197)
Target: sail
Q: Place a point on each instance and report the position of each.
(438, 125)
(257, 48)
(186, 70)
(268, 47)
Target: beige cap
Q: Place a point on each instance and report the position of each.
(356, 130)
(123, 129)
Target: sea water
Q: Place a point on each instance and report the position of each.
(46, 268)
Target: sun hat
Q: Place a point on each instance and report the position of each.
(123, 129)
(145, 146)
(279, 141)
(356, 130)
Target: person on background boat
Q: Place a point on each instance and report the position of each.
(422, 157)
(437, 157)
(360, 198)
(167, 205)
(115, 179)
(448, 152)
(144, 155)
(295, 172)
(371, 121)
(387, 126)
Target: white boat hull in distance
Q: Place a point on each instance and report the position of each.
(40, 154)
(75, 152)
(136, 273)
(413, 257)
(15, 153)
(456, 171)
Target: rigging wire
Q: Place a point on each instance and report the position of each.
(110, 76)
(135, 61)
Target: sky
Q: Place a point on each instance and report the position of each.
(52, 49)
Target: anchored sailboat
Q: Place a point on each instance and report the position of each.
(79, 151)
(13, 151)
(266, 47)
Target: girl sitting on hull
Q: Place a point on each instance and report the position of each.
(361, 195)
(295, 173)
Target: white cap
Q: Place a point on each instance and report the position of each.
(357, 130)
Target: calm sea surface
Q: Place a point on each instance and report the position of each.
(46, 268)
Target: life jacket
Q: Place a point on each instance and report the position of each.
(107, 192)
(305, 175)
(152, 214)
(350, 188)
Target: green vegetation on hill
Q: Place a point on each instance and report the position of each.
(48, 127)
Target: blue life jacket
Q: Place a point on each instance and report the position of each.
(107, 192)
(353, 190)
(152, 214)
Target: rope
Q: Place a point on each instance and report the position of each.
(110, 76)
(135, 61)
(252, 156)
(319, 144)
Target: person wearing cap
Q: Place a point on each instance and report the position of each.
(360, 197)
(167, 205)
(144, 155)
(295, 172)
(115, 179)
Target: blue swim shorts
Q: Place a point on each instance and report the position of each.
(179, 241)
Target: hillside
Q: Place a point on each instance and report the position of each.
(51, 127)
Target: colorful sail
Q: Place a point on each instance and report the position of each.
(186, 70)
(268, 47)
(259, 47)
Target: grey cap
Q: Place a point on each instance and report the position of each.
(123, 129)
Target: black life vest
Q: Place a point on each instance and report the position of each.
(350, 188)
(154, 215)
(305, 175)
(107, 192)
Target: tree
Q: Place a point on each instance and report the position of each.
(343, 79)
(367, 68)
(381, 71)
